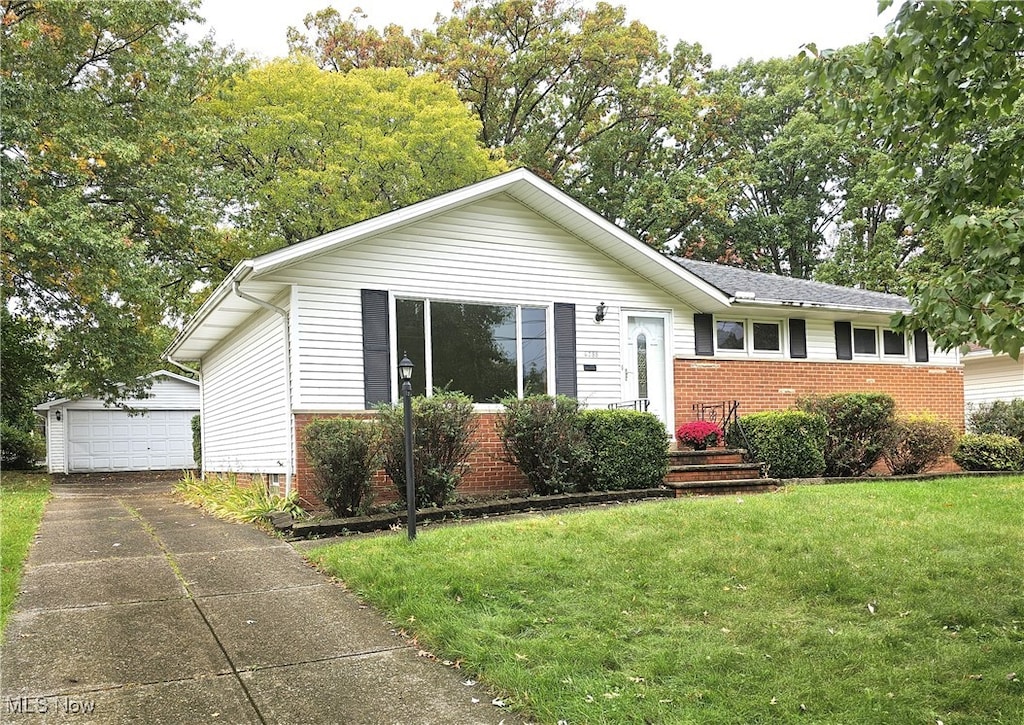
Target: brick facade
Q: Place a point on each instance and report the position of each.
(757, 384)
(487, 474)
(776, 385)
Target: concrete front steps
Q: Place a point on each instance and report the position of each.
(715, 471)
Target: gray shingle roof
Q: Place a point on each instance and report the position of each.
(734, 281)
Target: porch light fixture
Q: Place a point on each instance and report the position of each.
(599, 315)
(405, 368)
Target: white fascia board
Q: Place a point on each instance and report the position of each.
(789, 305)
(239, 273)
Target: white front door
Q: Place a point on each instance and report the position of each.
(645, 363)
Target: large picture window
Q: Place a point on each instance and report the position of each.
(484, 351)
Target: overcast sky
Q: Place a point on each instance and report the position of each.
(729, 30)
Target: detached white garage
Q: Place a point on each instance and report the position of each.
(150, 434)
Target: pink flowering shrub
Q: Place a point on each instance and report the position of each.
(700, 434)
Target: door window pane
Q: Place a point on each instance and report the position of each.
(766, 336)
(641, 365)
(730, 335)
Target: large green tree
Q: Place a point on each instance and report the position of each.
(103, 189)
(946, 83)
(314, 150)
(795, 161)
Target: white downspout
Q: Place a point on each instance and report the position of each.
(236, 288)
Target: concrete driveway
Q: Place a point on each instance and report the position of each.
(138, 608)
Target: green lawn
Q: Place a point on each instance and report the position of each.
(885, 602)
(22, 498)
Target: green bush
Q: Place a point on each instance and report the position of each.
(989, 452)
(790, 443)
(443, 427)
(629, 449)
(197, 441)
(20, 450)
(344, 453)
(857, 429)
(1002, 417)
(917, 443)
(543, 437)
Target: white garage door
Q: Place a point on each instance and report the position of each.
(112, 440)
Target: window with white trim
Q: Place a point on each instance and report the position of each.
(865, 343)
(485, 351)
(748, 336)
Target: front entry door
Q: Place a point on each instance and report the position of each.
(645, 362)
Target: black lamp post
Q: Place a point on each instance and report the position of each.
(405, 375)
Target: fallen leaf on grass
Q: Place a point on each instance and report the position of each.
(498, 702)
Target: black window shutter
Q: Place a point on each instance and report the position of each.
(565, 349)
(921, 345)
(376, 348)
(797, 338)
(844, 340)
(703, 333)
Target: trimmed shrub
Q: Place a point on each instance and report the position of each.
(629, 449)
(790, 443)
(857, 429)
(344, 453)
(543, 437)
(197, 441)
(20, 450)
(989, 452)
(917, 443)
(443, 427)
(1002, 417)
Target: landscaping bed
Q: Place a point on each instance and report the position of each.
(464, 510)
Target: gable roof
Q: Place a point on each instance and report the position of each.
(152, 376)
(703, 286)
(224, 310)
(745, 286)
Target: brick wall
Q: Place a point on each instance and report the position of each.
(775, 385)
(487, 474)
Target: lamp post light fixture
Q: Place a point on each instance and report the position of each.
(405, 368)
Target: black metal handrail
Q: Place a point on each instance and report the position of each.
(725, 415)
(640, 404)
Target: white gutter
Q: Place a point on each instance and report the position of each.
(236, 288)
(738, 302)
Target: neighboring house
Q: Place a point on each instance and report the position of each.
(510, 285)
(989, 377)
(140, 434)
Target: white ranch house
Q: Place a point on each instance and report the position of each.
(511, 286)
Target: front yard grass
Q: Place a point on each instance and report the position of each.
(22, 499)
(887, 602)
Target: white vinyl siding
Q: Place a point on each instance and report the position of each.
(991, 378)
(56, 448)
(246, 420)
(492, 252)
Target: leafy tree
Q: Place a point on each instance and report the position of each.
(23, 381)
(546, 78)
(339, 44)
(945, 99)
(103, 189)
(313, 150)
(795, 159)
